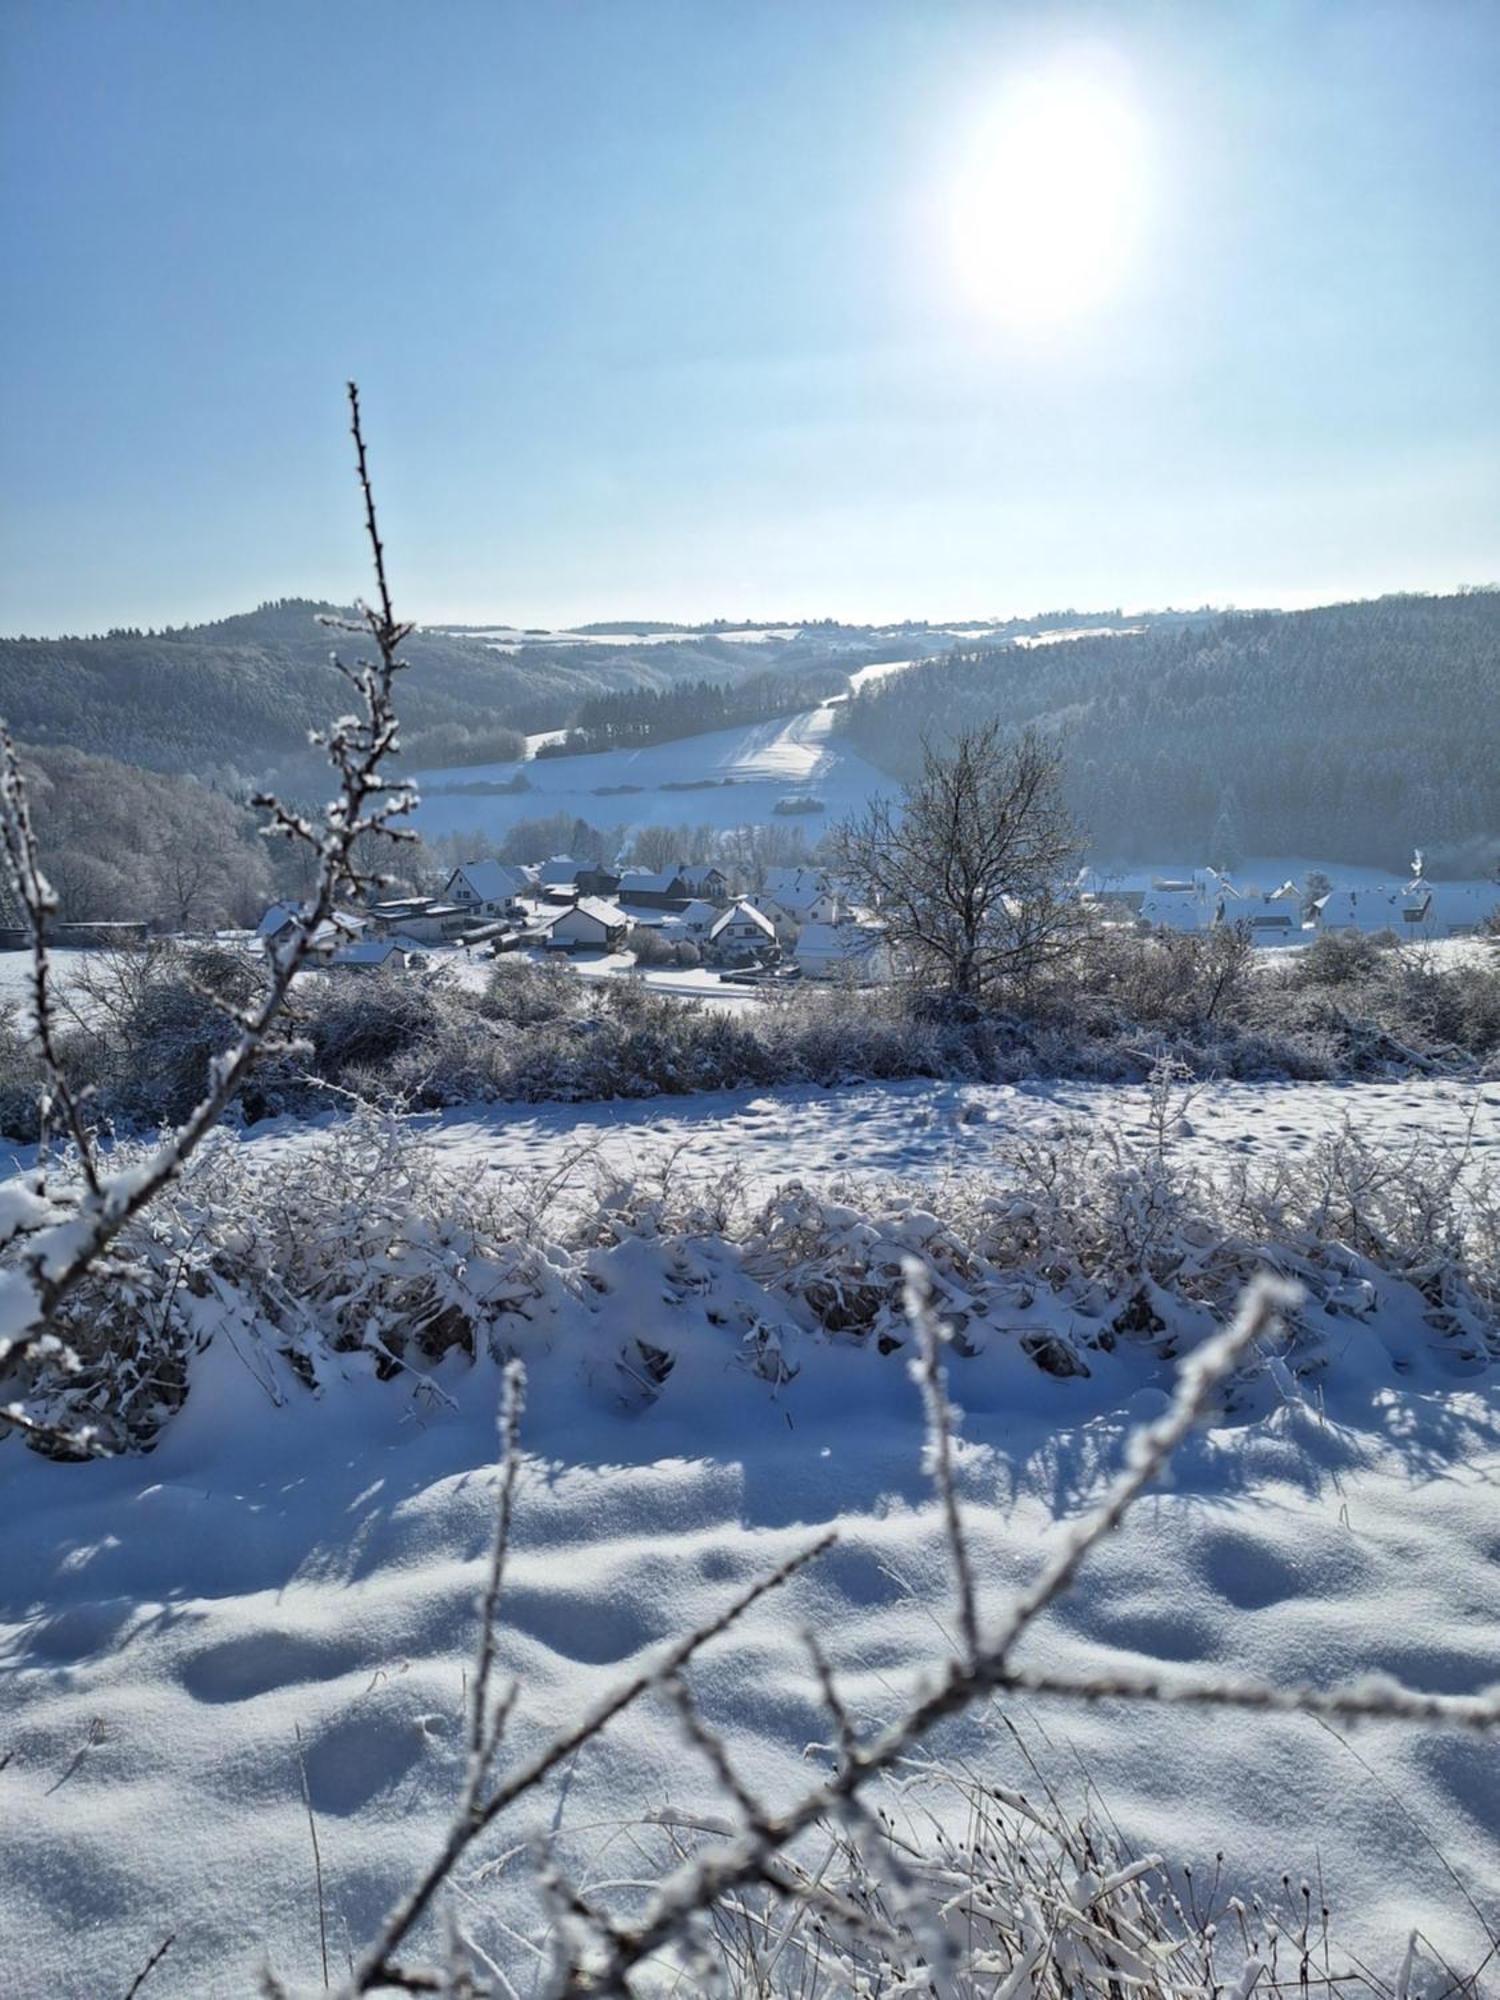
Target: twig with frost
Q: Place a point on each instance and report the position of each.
(66, 1238)
(150, 1966)
(317, 1854)
(698, 1885)
(38, 901)
(377, 1967)
(929, 1375)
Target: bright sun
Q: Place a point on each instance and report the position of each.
(1050, 199)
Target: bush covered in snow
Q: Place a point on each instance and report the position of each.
(146, 1026)
(1078, 1245)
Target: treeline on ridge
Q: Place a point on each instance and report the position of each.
(232, 701)
(1346, 733)
(635, 717)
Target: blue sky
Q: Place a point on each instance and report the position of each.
(656, 311)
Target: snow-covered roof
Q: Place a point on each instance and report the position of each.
(341, 927)
(700, 872)
(1425, 908)
(491, 881)
(861, 947)
(1179, 908)
(743, 913)
(561, 868)
(796, 888)
(610, 915)
(699, 915)
(651, 881)
(372, 951)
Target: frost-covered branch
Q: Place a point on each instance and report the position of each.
(66, 1237)
(596, 1953)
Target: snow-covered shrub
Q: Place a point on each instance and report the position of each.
(144, 1041)
(1074, 1243)
(650, 947)
(358, 1027)
(525, 994)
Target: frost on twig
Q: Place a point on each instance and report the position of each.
(71, 1231)
(1090, 1930)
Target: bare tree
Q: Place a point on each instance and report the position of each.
(970, 870)
(659, 847)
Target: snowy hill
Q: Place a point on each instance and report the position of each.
(734, 777)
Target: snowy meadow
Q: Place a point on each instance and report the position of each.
(262, 1632)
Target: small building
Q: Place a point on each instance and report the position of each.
(857, 953)
(781, 921)
(807, 895)
(804, 892)
(703, 879)
(1181, 906)
(654, 888)
(377, 954)
(423, 919)
(487, 888)
(740, 935)
(279, 917)
(699, 918)
(277, 925)
(590, 924)
(597, 882)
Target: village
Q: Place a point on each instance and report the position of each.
(802, 923)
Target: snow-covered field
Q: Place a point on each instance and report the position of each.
(931, 1129)
(732, 777)
(283, 1565)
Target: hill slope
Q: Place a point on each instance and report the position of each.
(1348, 732)
(233, 700)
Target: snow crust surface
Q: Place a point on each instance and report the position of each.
(168, 1625)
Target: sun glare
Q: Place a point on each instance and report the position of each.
(1050, 199)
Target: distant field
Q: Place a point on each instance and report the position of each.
(735, 777)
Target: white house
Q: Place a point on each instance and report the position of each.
(488, 888)
(590, 924)
(804, 893)
(782, 921)
(740, 935)
(855, 952)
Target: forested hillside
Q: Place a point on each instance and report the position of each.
(232, 701)
(121, 842)
(1346, 733)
